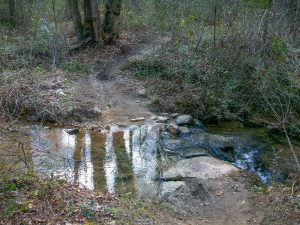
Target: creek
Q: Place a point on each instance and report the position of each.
(132, 159)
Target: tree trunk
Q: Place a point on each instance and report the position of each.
(112, 20)
(12, 12)
(87, 24)
(75, 14)
(96, 23)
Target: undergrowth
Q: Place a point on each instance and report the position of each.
(230, 62)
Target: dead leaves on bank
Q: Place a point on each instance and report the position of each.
(28, 199)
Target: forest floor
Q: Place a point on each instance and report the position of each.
(108, 95)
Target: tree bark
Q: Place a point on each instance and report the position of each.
(12, 12)
(87, 23)
(96, 23)
(75, 14)
(112, 20)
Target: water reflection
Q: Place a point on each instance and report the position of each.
(120, 161)
(124, 174)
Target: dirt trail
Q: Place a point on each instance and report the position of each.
(110, 89)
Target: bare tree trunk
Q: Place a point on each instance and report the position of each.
(112, 20)
(96, 23)
(12, 12)
(75, 14)
(87, 23)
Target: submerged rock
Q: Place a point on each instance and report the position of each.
(184, 120)
(218, 141)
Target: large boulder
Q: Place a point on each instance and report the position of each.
(184, 120)
(203, 168)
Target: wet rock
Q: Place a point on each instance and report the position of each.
(139, 119)
(184, 130)
(165, 114)
(72, 131)
(218, 141)
(173, 144)
(170, 186)
(184, 120)
(153, 117)
(173, 129)
(195, 152)
(203, 168)
(162, 119)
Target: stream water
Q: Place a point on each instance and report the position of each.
(132, 159)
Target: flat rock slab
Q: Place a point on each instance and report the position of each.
(170, 186)
(203, 168)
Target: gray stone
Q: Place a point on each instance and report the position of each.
(97, 110)
(153, 117)
(184, 120)
(203, 168)
(171, 186)
(184, 130)
(141, 92)
(162, 119)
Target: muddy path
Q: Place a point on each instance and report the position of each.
(110, 88)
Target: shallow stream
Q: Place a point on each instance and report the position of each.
(133, 159)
